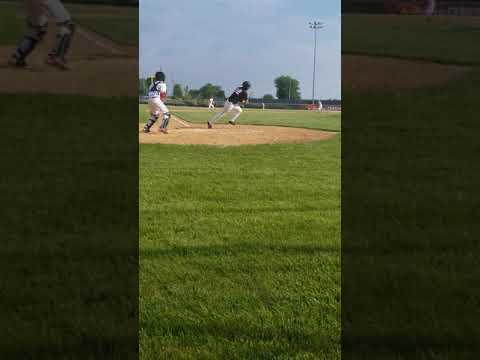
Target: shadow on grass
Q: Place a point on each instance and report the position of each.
(240, 248)
(239, 332)
(87, 347)
(450, 346)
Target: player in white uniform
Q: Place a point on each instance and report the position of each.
(240, 95)
(156, 94)
(210, 104)
(430, 8)
(37, 12)
(320, 105)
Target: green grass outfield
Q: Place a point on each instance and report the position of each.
(120, 24)
(68, 227)
(409, 272)
(11, 27)
(330, 121)
(450, 40)
(122, 30)
(240, 249)
(409, 198)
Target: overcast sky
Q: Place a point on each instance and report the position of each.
(227, 41)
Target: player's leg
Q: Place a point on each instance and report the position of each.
(154, 115)
(226, 108)
(37, 24)
(166, 117)
(237, 110)
(65, 32)
(151, 120)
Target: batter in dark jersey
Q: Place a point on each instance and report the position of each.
(240, 95)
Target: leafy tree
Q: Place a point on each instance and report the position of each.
(141, 86)
(177, 91)
(205, 92)
(194, 93)
(209, 90)
(287, 88)
(144, 84)
(268, 97)
(186, 93)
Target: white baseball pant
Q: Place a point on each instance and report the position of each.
(228, 107)
(37, 12)
(156, 106)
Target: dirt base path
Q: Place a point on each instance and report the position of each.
(183, 133)
(365, 73)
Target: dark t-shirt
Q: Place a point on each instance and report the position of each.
(238, 95)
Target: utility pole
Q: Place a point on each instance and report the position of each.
(314, 26)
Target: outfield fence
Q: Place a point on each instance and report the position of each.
(327, 105)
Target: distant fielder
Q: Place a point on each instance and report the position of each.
(37, 12)
(430, 8)
(211, 105)
(320, 105)
(240, 95)
(156, 94)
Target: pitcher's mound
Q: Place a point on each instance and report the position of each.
(225, 135)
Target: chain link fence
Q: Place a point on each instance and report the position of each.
(327, 105)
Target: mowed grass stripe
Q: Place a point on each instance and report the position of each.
(240, 251)
(11, 26)
(120, 27)
(442, 39)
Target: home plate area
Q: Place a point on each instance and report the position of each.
(183, 133)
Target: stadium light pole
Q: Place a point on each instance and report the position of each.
(289, 89)
(315, 25)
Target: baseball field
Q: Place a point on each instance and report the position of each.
(408, 274)
(240, 245)
(63, 250)
(105, 45)
(436, 39)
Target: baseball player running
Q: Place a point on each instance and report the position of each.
(156, 94)
(37, 12)
(240, 95)
(320, 106)
(211, 106)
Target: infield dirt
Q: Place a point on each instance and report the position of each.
(183, 133)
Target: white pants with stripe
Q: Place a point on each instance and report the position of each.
(228, 107)
(39, 10)
(156, 106)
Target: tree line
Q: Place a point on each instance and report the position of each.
(287, 88)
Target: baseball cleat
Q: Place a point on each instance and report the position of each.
(209, 125)
(57, 62)
(15, 62)
(231, 122)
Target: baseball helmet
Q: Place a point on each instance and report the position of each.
(246, 85)
(160, 76)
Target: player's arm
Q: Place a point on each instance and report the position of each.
(244, 97)
(162, 91)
